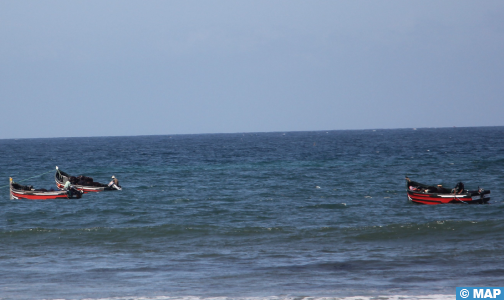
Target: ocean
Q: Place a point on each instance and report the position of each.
(279, 215)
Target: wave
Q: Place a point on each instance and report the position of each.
(449, 230)
(452, 230)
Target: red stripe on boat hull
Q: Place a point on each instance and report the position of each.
(433, 199)
(40, 196)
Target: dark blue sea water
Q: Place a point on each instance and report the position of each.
(294, 214)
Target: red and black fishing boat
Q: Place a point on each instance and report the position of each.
(428, 194)
(82, 183)
(18, 191)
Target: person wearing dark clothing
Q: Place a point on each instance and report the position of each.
(459, 188)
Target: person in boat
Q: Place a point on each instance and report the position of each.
(69, 188)
(417, 187)
(114, 181)
(459, 188)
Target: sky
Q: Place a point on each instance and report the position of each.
(123, 68)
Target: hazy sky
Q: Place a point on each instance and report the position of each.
(106, 68)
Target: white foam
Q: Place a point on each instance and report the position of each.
(388, 297)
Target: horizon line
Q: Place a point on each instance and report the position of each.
(247, 132)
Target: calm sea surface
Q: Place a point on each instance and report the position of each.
(294, 214)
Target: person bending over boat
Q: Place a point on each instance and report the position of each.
(459, 188)
(70, 189)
